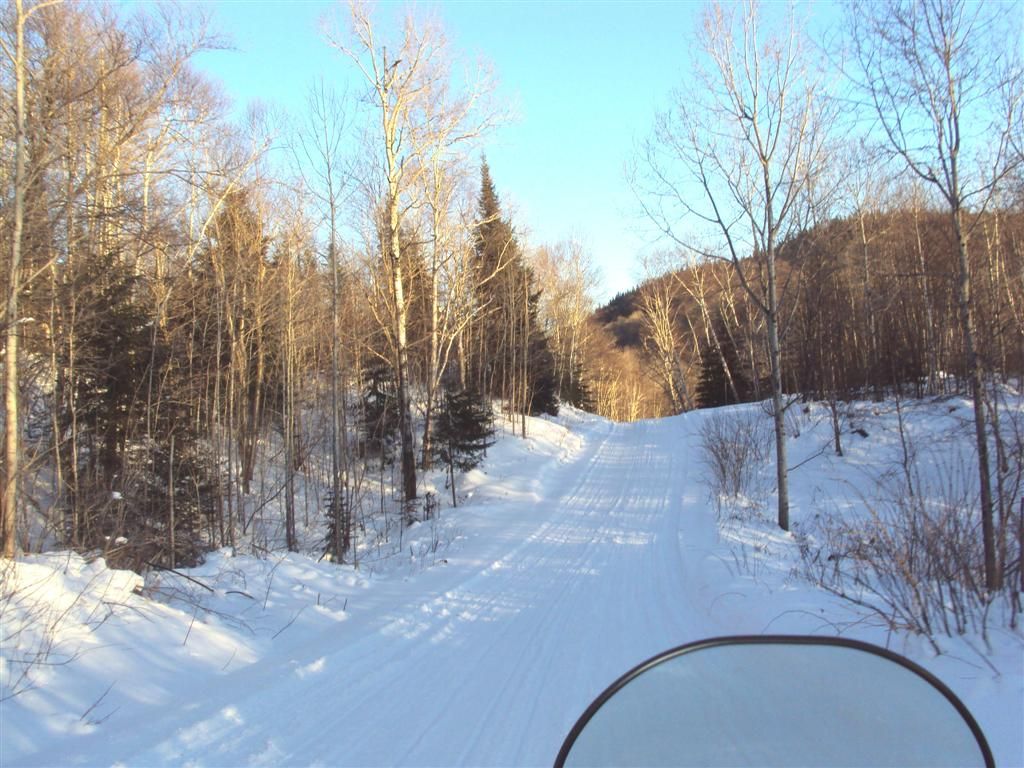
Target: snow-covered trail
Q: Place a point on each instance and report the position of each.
(583, 550)
(487, 659)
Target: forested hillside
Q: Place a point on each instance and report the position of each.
(871, 304)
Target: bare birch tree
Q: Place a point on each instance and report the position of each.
(694, 283)
(660, 309)
(12, 319)
(318, 150)
(452, 121)
(569, 278)
(943, 82)
(418, 120)
(730, 167)
(396, 84)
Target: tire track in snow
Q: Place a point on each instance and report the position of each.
(509, 564)
(524, 679)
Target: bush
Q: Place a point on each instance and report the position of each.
(917, 559)
(736, 445)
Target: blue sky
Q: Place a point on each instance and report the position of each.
(586, 79)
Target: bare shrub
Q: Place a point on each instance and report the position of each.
(736, 445)
(916, 559)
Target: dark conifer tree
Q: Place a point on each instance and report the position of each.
(577, 391)
(496, 248)
(464, 432)
(379, 422)
(510, 357)
(542, 373)
(713, 387)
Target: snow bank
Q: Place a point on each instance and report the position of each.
(771, 580)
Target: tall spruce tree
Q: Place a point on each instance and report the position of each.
(577, 390)
(379, 423)
(542, 373)
(495, 248)
(509, 356)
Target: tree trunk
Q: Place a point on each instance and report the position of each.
(929, 322)
(402, 362)
(434, 352)
(289, 408)
(775, 360)
(12, 446)
(974, 371)
(341, 531)
(778, 412)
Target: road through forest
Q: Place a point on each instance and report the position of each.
(476, 638)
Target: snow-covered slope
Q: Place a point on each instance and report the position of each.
(580, 552)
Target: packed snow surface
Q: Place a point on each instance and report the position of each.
(577, 554)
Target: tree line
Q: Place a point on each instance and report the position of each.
(872, 310)
(183, 308)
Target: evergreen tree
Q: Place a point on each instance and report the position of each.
(138, 477)
(496, 249)
(713, 387)
(337, 519)
(99, 395)
(379, 422)
(464, 432)
(171, 496)
(509, 356)
(542, 372)
(577, 391)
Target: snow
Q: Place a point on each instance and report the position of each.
(576, 554)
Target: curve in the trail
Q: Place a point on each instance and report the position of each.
(499, 651)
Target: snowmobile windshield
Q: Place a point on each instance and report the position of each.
(776, 701)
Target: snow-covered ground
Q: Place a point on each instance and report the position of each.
(577, 553)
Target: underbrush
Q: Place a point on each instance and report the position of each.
(50, 606)
(916, 558)
(736, 445)
(893, 525)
